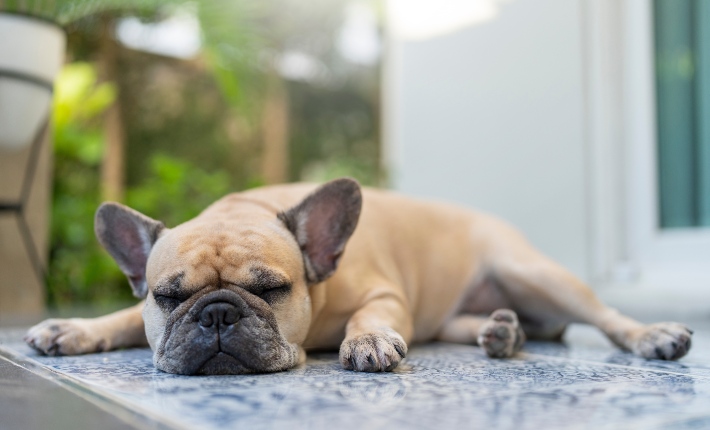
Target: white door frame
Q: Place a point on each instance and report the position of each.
(630, 250)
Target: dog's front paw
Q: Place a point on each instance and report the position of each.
(664, 341)
(64, 337)
(380, 351)
(501, 336)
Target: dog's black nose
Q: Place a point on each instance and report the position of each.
(219, 314)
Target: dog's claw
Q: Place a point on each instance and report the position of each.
(399, 351)
(371, 360)
(659, 353)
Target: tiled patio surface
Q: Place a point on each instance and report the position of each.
(584, 383)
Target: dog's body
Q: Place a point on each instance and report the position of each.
(251, 281)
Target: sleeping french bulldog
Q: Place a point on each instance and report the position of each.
(251, 283)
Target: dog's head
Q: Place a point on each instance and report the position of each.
(228, 293)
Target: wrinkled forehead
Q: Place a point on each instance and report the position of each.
(224, 252)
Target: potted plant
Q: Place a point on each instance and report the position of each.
(32, 47)
(31, 55)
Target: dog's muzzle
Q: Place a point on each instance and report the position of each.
(223, 331)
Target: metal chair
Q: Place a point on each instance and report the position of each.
(18, 207)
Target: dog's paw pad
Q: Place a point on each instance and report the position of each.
(501, 336)
(63, 337)
(664, 341)
(380, 351)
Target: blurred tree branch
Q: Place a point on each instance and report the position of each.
(113, 164)
(275, 131)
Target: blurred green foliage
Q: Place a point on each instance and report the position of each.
(174, 191)
(177, 190)
(79, 270)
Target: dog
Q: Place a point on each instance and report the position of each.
(261, 276)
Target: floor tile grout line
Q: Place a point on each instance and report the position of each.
(128, 412)
(624, 366)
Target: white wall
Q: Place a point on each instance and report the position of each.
(491, 115)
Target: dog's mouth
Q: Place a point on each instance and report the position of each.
(220, 364)
(223, 332)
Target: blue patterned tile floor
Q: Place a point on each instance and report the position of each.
(582, 383)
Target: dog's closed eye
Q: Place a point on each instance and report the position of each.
(272, 293)
(167, 292)
(167, 303)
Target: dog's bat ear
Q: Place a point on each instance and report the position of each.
(128, 236)
(322, 224)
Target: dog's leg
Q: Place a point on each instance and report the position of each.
(542, 290)
(376, 336)
(500, 335)
(85, 335)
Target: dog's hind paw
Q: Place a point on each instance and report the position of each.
(380, 351)
(664, 341)
(64, 337)
(501, 336)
